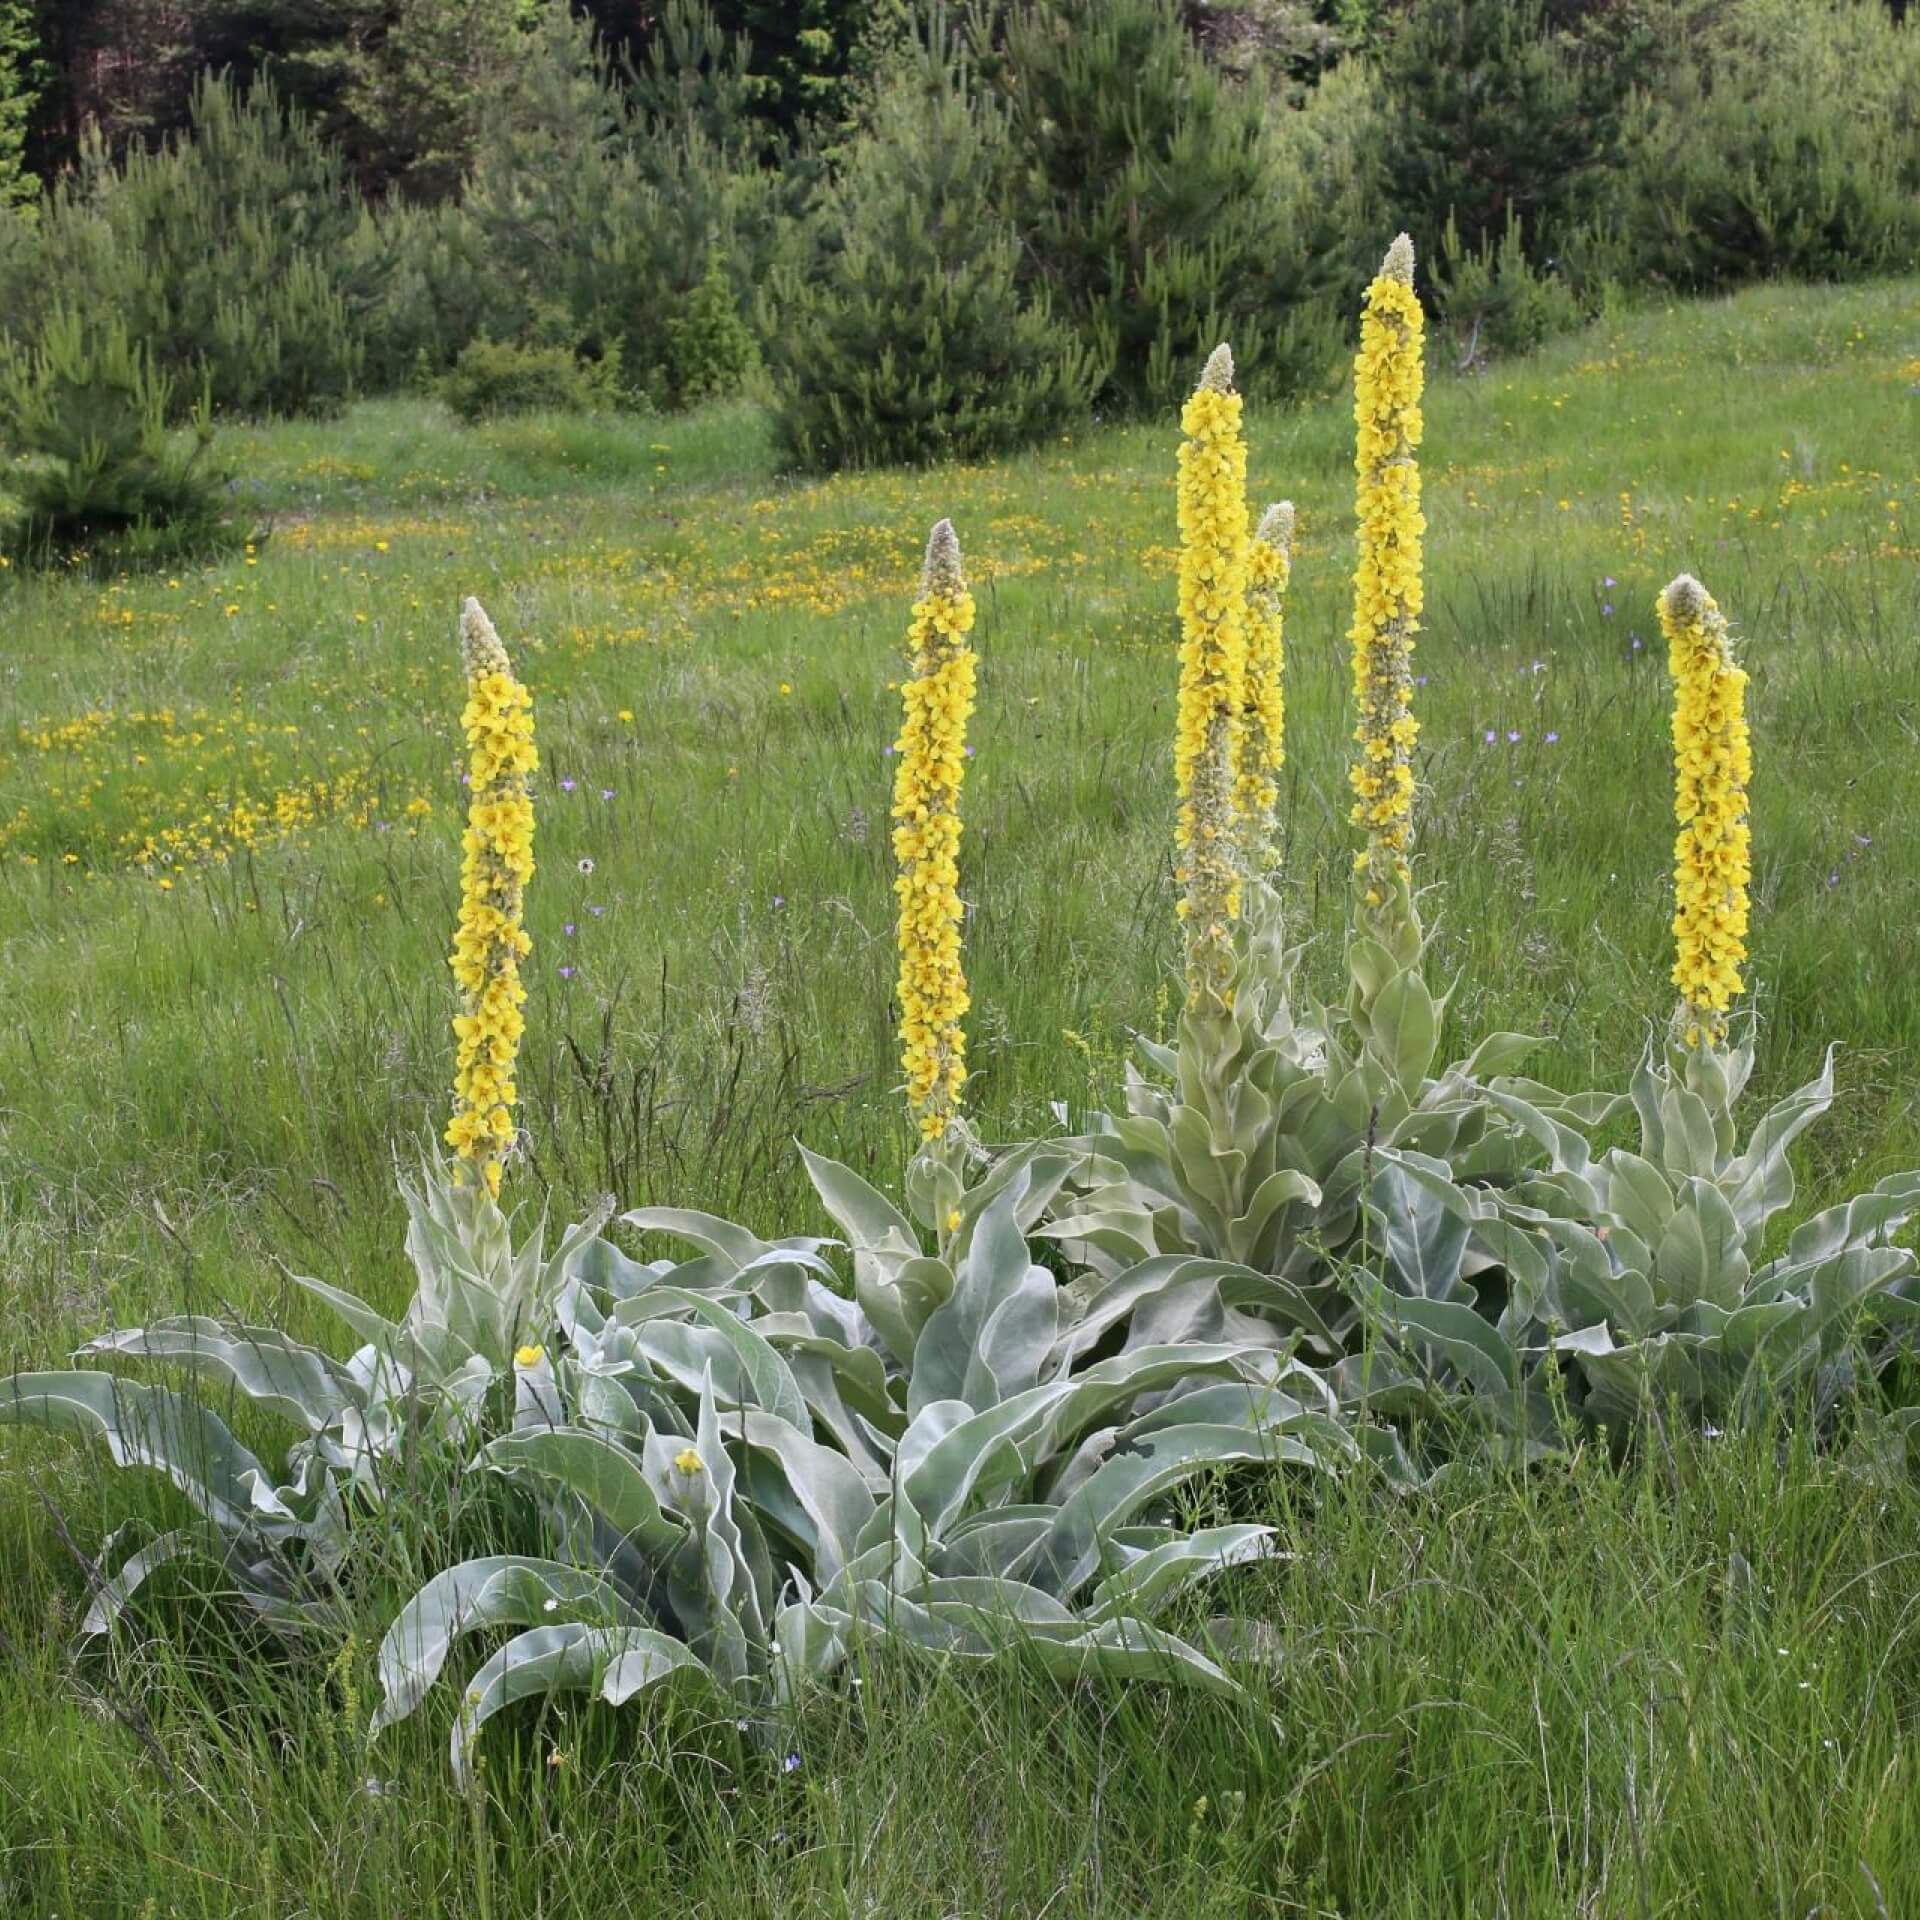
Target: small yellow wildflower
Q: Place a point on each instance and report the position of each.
(1712, 856)
(528, 1356)
(688, 1462)
(1263, 711)
(953, 1220)
(1388, 380)
(497, 863)
(932, 747)
(1213, 663)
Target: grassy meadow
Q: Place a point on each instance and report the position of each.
(229, 818)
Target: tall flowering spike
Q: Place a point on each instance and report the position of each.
(1712, 765)
(497, 863)
(1213, 669)
(926, 838)
(1388, 379)
(1263, 710)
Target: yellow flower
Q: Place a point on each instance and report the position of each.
(497, 862)
(528, 1356)
(1712, 856)
(688, 1462)
(1388, 381)
(1263, 710)
(937, 702)
(1213, 666)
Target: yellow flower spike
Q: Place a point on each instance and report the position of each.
(1214, 545)
(497, 862)
(1712, 856)
(1388, 381)
(1263, 710)
(937, 702)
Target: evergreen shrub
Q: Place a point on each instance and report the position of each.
(917, 340)
(1779, 140)
(494, 377)
(100, 477)
(232, 253)
(1496, 300)
(1162, 207)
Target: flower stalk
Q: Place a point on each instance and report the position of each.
(1263, 706)
(1214, 543)
(932, 746)
(1712, 855)
(1388, 382)
(497, 862)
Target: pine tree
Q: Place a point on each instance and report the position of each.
(230, 253)
(1152, 202)
(103, 480)
(916, 340)
(1500, 116)
(21, 77)
(598, 222)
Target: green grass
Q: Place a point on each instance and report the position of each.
(228, 867)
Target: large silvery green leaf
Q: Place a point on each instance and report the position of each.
(1760, 1181)
(1124, 1649)
(596, 1470)
(719, 1581)
(114, 1596)
(299, 1382)
(501, 1590)
(616, 1663)
(733, 1256)
(150, 1427)
(1136, 1292)
(819, 1483)
(770, 1379)
(988, 1341)
(883, 1240)
(1405, 1030)
(1865, 1218)
(1164, 1570)
(1699, 1255)
(1070, 1555)
(1691, 1141)
(1426, 1234)
(1454, 1332)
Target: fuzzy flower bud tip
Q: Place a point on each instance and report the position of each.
(941, 573)
(1217, 375)
(480, 650)
(1686, 598)
(1398, 264)
(1276, 528)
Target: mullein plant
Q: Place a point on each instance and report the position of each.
(1630, 1282)
(496, 865)
(1262, 743)
(937, 701)
(1250, 1139)
(1383, 953)
(1712, 764)
(468, 1351)
(1214, 544)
